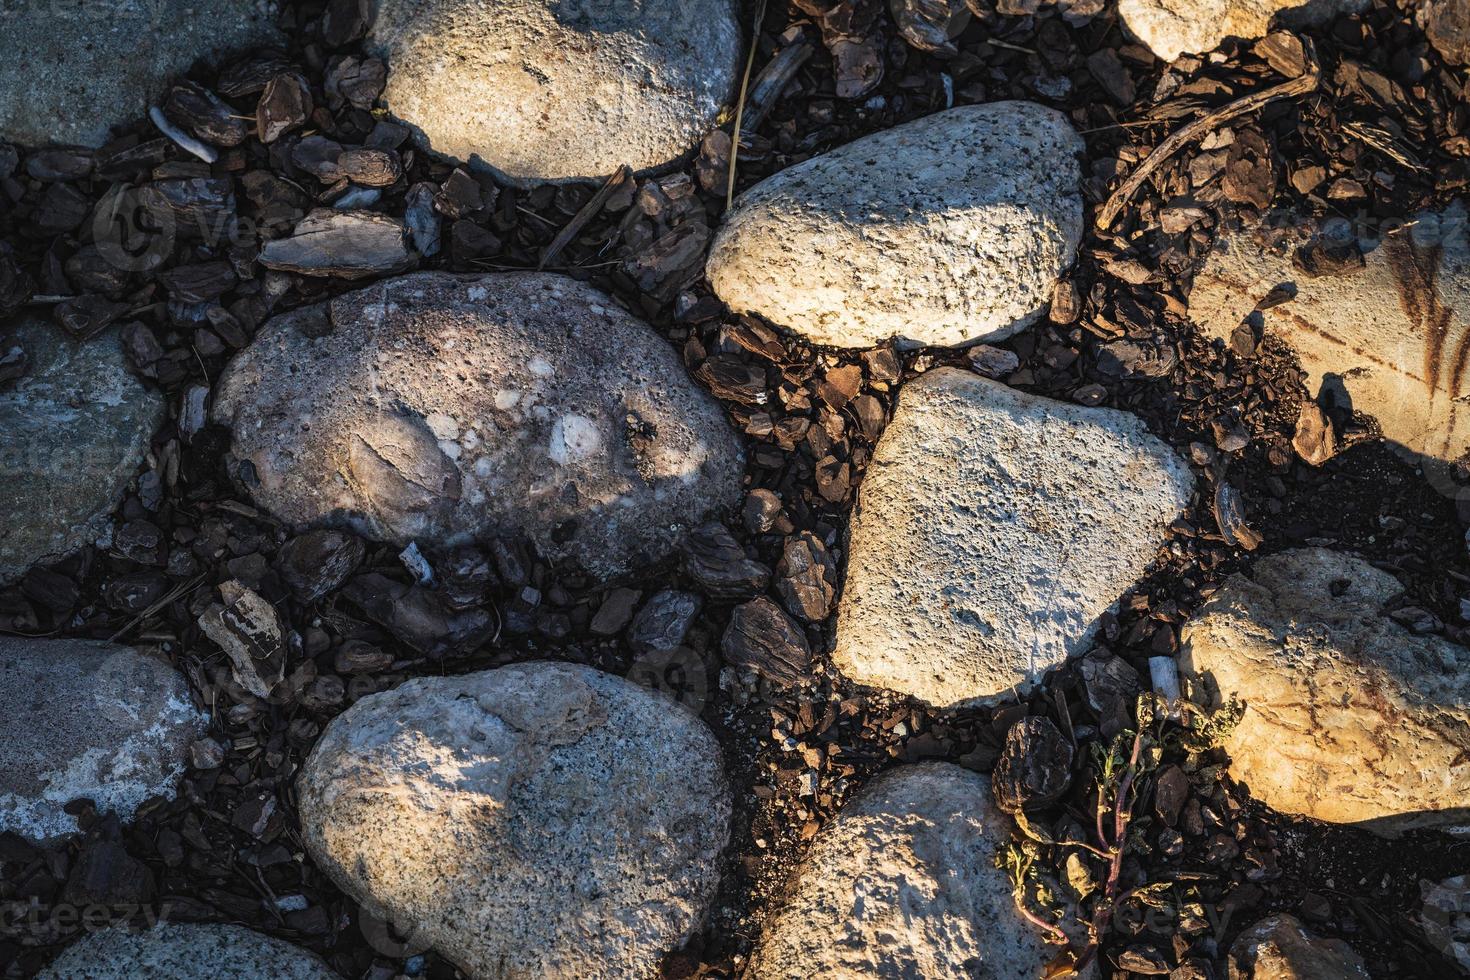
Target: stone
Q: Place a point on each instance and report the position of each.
(902, 883)
(185, 951)
(807, 580)
(719, 566)
(443, 408)
(762, 638)
(77, 69)
(341, 244)
(247, 628)
(946, 230)
(84, 719)
(1349, 717)
(1034, 768)
(77, 425)
(1385, 332)
(1278, 948)
(664, 621)
(993, 530)
(1173, 27)
(1447, 24)
(1445, 917)
(559, 89)
(538, 820)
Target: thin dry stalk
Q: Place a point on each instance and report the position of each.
(755, 40)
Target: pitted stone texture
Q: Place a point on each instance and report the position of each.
(559, 89)
(1349, 717)
(949, 229)
(442, 408)
(1389, 337)
(1278, 948)
(993, 529)
(83, 719)
(903, 883)
(185, 951)
(539, 820)
(1174, 27)
(73, 431)
(75, 68)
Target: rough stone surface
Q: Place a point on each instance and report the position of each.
(903, 883)
(1174, 27)
(56, 494)
(444, 407)
(948, 229)
(1278, 948)
(343, 244)
(539, 820)
(1349, 717)
(74, 69)
(1389, 336)
(559, 89)
(1445, 917)
(185, 951)
(993, 529)
(83, 719)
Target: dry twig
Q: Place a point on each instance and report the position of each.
(755, 40)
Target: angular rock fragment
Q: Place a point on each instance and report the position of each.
(246, 627)
(1349, 717)
(343, 244)
(903, 883)
(763, 639)
(664, 621)
(1174, 27)
(1034, 768)
(1445, 917)
(439, 408)
(318, 562)
(717, 563)
(539, 90)
(808, 578)
(950, 229)
(993, 529)
(1278, 948)
(539, 820)
(75, 427)
(185, 951)
(87, 720)
(1380, 326)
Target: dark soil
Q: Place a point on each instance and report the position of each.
(229, 848)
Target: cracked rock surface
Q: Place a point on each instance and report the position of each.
(185, 951)
(441, 408)
(1174, 27)
(559, 89)
(993, 529)
(539, 820)
(949, 229)
(1349, 717)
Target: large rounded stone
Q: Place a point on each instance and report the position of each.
(903, 883)
(75, 68)
(539, 820)
(1349, 717)
(1174, 27)
(185, 951)
(441, 408)
(1278, 948)
(993, 529)
(75, 428)
(84, 719)
(559, 89)
(949, 229)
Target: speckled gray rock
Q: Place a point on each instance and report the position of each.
(75, 68)
(903, 883)
(993, 529)
(1278, 948)
(949, 229)
(442, 407)
(83, 719)
(185, 951)
(1349, 717)
(1387, 334)
(73, 431)
(559, 89)
(1174, 27)
(539, 820)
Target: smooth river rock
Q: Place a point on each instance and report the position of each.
(75, 428)
(75, 68)
(539, 820)
(84, 719)
(1278, 948)
(949, 229)
(1349, 717)
(993, 529)
(1174, 27)
(185, 951)
(559, 89)
(1381, 326)
(903, 883)
(440, 408)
